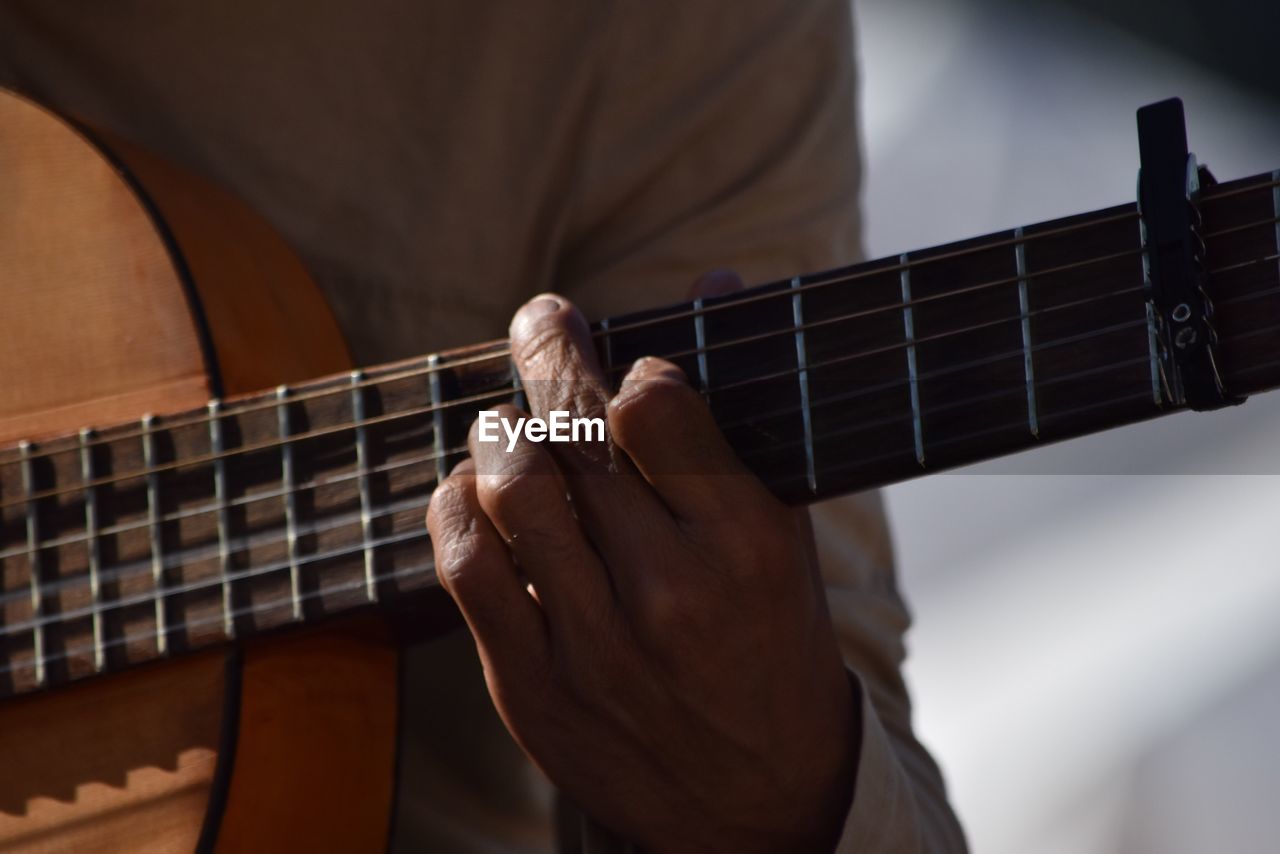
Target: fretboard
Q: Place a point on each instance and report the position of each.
(144, 540)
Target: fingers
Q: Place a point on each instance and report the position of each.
(552, 350)
(551, 347)
(474, 566)
(525, 498)
(669, 434)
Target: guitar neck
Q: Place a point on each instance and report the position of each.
(148, 539)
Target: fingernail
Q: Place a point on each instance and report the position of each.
(543, 305)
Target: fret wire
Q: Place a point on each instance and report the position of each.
(49, 493)
(519, 391)
(92, 549)
(837, 277)
(843, 397)
(936, 373)
(517, 388)
(244, 574)
(33, 562)
(274, 494)
(909, 327)
(362, 478)
(187, 625)
(606, 354)
(437, 420)
(887, 420)
(899, 305)
(220, 503)
(802, 377)
(398, 509)
(977, 434)
(265, 495)
(1275, 205)
(415, 503)
(1024, 308)
(153, 530)
(290, 501)
(852, 274)
(700, 341)
(834, 277)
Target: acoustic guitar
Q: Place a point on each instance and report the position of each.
(197, 573)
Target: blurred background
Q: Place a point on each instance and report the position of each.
(1096, 658)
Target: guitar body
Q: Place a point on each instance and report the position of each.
(130, 288)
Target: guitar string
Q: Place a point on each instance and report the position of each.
(347, 388)
(213, 582)
(304, 394)
(201, 459)
(1144, 395)
(341, 427)
(279, 566)
(184, 556)
(746, 297)
(191, 554)
(506, 391)
(175, 561)
(235, 503)
(151, 596)
(362, 582)
(1018, 390)
(1218, 191)
(1242, 264)
(1009, 354)
(846, 397)
(188, 624)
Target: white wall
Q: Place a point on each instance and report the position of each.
(1096, 658)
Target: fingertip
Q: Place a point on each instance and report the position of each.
(544, 309)
(653, 368)
(655, 397)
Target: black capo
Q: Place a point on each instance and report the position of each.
(1173, 257)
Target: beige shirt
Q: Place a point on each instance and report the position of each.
(437, 163)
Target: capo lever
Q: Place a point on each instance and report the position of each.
(1168, 186)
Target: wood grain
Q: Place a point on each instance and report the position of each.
(120, 764)
(95, 326)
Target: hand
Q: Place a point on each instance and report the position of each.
(651, 620)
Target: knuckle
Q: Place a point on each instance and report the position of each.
(458, 558)
(512, 480)
(505, 494)
(675, 615)
(665, 611)
(762, 552)
(450, 503)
